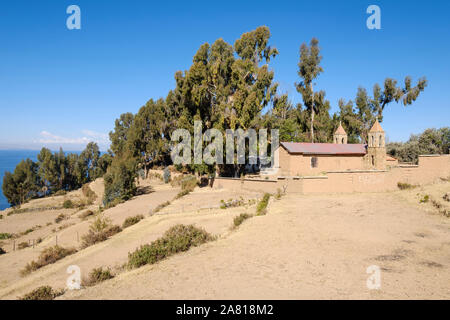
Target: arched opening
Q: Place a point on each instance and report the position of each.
(380, 144)
(342, 140)
(373, 161)
(373, 140)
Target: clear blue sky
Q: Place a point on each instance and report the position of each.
(63, 87)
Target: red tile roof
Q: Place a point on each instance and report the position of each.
(325, 148)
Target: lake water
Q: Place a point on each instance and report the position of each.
(8, 161)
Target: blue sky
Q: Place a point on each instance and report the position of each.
(65, 87)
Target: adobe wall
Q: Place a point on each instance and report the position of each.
(300, 164)
(430, 169)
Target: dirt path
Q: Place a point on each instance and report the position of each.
(307, 247)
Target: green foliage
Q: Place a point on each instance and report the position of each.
(22, 184)
(4, 236)
(132, 220)
(237, 221)
(161, 206)
(405, 186)
(262, 205)
(425, 199)
(42, 293)
(431, 141)
(53, 174)
(68, 204)
(178, 238)
(120, 179)
(96, 276)
(48, 256)
(100, 230)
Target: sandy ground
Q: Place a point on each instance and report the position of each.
(306, 247)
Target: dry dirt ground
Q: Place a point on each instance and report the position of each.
(305, 247)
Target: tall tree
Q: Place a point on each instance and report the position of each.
(309, 69)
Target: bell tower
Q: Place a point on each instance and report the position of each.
(376, 148)
(340, 136)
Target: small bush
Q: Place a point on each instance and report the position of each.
(60, 193)
(60, 218)
(68, 204)
(177, 239)
(86, 214)
(48, 256)
(132, 220)
(425, 199)
(405, 186)
(160, 207)
(96, 276)
(4, 236)
(23, 245)
(42, 293)
(279, 194)
(2, 251)
(1, 216)
(240, 218)
(99, 230)
(182, 194)
(262, 205)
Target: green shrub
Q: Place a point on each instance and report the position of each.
(48, 256)
(182, 194)
(99, 230)
(68, 204)
(1, 216)
(405, 186)
(132, 220)
(425, 199)
(240, 218)
(177, 239)
(114, 203)
(96, 276)
(262, 205)
(2, 251)
(120, 179)
(42, 293)
(4, 236)
(60, 217)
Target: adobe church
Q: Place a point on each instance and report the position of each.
(300, 159)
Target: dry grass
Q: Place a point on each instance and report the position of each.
(237, 221)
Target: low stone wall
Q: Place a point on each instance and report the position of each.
(430, 169)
